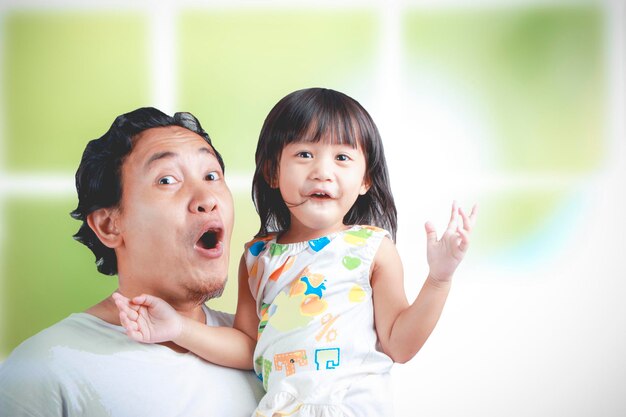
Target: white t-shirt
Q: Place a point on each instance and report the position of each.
(84, 366)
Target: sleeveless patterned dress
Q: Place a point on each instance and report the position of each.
(317, 351)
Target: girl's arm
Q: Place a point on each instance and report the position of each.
(149, 319)
(403, 328)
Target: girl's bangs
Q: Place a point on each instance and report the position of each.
(331, 128)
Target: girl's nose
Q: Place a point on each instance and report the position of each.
(322, 169)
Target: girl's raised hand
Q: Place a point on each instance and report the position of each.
(148, 319)
(445, 254)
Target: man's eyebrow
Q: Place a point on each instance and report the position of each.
(206, 149)
(169, 154)
(160, 155)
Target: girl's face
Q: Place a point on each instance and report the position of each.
(320, 182)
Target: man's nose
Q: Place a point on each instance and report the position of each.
(203, 200)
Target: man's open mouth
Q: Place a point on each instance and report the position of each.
(209, 239)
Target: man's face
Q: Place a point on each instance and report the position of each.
(175, 217)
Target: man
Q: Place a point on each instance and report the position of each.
(157, 212)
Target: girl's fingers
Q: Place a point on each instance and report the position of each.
(121, 305)
(127, 323)
(453, 213)
(464, 239)
(473, 214)
(146, 300)
(431, 233)
(142, 299)
(124, 303)
(129, 312)
(469, 221)
(467, 224)
(137, 336)
(452, 223)
(128, 318)
(133, 307)
(119, 299)
(132, 314)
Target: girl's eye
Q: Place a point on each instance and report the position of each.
(212, 176)
(167, 180)
(343, 157)
(305, 154)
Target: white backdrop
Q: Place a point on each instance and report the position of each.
(542, 338)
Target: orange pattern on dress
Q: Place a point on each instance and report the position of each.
(284, 267)
(289, 360)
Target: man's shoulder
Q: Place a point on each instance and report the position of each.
(85, 363)
(32, 370)
(36, 352)
(62, 332)
(43, 354)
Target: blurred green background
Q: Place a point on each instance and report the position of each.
(536, 73)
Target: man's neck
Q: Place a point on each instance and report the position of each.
(185, 306)
(107, 310)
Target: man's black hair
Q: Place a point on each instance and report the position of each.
(98, 178)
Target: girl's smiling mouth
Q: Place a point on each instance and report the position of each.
(320, 194)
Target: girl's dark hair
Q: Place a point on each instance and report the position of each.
(311, 115)
(98, 178)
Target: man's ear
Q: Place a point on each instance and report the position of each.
(103, 222)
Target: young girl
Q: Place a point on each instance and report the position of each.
(322, 313)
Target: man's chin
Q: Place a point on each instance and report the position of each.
(217, 293)
(206, 292)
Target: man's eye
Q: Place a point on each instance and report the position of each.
(212, 176)
(343, 157)
(167, 180)
(304, 154)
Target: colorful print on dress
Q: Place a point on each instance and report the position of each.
(351, 262)
(328, 330)
(265, 369)
(303, 301)
(276, 249)
(264, 317)
(357, 294)
(319, 244)
(289, 360)
(313, 306)
(312, 282)
(254, 269)
(358, 237)
(257, 247)
(287, 316)
(327, 358)
(312, 287)
(283, 268)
